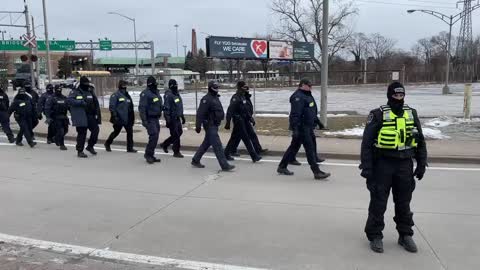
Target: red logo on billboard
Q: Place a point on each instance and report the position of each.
(259, 48)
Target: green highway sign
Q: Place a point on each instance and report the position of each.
(55, 45)
(105, 45)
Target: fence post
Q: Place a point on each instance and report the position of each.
(467, 103)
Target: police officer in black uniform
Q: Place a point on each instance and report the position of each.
(24, 112)
(56, 109)
(250, 129)
(86, 115)
(34, 99)
(238, 110)
(173, 113)
(210, 115)
(4, 117)
(122, 115)
(392, 138)
(303, 120)
(41, 109)
(150, 109)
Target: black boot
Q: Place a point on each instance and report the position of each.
(295, 163)
(49, 141)
(63, 148)
(132, 150)
(284, 171)
(178, 155)
(197, 164)
(164, 147)
(82, 155)
(320, 160)
(376, 245)
(107, 147)
(11, 139)
(319, 175)
(157, 160)
(407, 243)
(150, 160)
(32, 144)
(91, 150)
(229, 168)
(263, 151)
(257, 159)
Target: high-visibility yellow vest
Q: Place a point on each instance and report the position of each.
(396, 132)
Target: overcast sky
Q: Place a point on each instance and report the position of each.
(87, 19)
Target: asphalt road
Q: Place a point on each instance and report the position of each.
(117, 212)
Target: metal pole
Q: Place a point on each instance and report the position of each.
(136, 47)
(27, 20)
(185, 50)
(47, 42)
(323, 101)
(152, 55)
(467, 104)
(35, 52)
(446, 89)
(365, 71)
(176, 33)
(91, 55)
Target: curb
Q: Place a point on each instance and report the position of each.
(326, 155)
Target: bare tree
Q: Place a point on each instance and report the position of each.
(357, 45)
(380, 47)
(301, 20)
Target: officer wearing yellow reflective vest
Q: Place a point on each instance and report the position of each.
(392, 138)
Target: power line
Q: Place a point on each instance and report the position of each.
(400, 4)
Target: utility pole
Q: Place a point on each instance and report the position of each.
(134, 36)
(185, 50)
(323, 101)
(27, 20)
(176, 33)
(35, 52)
(47, 42)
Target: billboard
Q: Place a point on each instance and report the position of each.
(303, 51)
(280, 50)
(237, 48)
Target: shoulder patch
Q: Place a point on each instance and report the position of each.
(297, 99)
(204, 101)
(370, 118)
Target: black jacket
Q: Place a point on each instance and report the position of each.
(42, 101)
(210, 112)
(151, 104)
(238, 108)
(83, 103)
(121, 108)
(369, 153)
(4, 102)
(303, 112)
(56, 107)
(173, 107)
(23, 109)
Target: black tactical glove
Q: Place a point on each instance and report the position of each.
(253, 122)
(198, 129)
(227, 126)
(420, 171)
(183, 119)
(40, 116)
(367, 173)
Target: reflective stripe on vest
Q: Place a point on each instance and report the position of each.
(396, 132)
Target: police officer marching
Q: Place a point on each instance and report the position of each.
(392, 138)
(86, 115)
(122, 115)
(210, 115)
(303, 120)
(56, 109)
(41, 109)
(173, 113)
(25, 114)
(4, 117)
(150, 109)
(238, 110)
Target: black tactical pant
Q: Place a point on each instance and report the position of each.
(314, 139)
(51, 131)
(304, 137)
(153, 130)
(240, 132)
(176, 131)
(82, 134)
(5, 123)
(25, 130)
(397, 175)
(212, 139)
(116, 131)
(61, 129)
(253, 137)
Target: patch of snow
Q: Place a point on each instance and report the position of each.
(431, 133)
(356, 131)
(445, 121)
(273, 115)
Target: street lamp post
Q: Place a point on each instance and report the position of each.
(47, 42)
(185, 50)
(450, 21)
(176, 34)
(134, 36)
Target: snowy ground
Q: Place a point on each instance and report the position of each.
(427, 99)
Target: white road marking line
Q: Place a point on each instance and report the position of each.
(117, 256)
(335, 164)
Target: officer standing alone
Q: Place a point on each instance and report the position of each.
(121, 116)
(56, 110)
(41, 109)
(238, 110)
(86, 115)
(303, 120)
(392, 138)
(210, 115)
(4, 117)
(150, 109)
(173, 113)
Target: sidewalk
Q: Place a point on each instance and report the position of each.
(448, 151)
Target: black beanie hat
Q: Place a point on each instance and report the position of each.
(212, 85)
(395, 88)
(172, 83)
(84, 80)
(151, 81)
(304, 82)
(49, 87)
